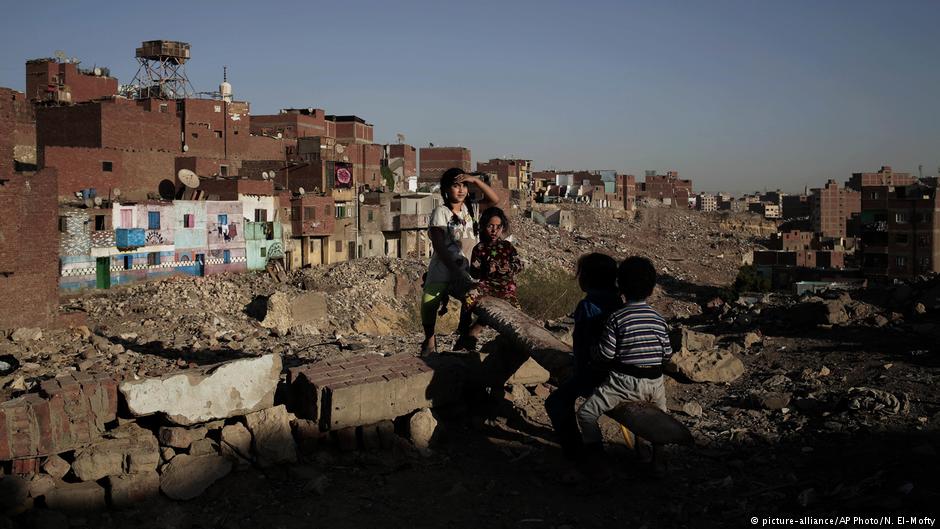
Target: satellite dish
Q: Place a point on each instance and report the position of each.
(98, 201)
(265, 175)
(78, 194)
(59, 54)
(97, 72)
(345, 158)
(185, 148)
(340, 148)
(116, 192)
(362, 198)
(189, 178)
(301, 192)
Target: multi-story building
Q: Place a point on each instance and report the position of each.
(433, 161)
(832, 209)
(625, 192)
(668, 188)
(402, 162)
(707, 202)
(62, 81)
(313, 218)
(507, 173)
(900, 229)
(884, 177)
(796, 206)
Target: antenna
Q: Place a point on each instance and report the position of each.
(98, 201)
(188, 178)
(61, 56)
(401, 138)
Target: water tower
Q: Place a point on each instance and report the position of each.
(161, 73)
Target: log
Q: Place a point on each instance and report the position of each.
(649, 422)
(526, 333)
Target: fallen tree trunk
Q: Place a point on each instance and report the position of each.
(531, 338)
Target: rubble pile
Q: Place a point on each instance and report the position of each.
(686, 245)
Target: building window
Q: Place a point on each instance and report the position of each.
(100, 223)
(901, 238)
(153, 258)
(128, 262)
(218, 133)
(195, 134)
(226, 256)
(189, 220)
(261, 215)
(153, 220)
(900, 261)
(217, 108)
(223, 170)
(370, 220)
(901, 218)
(127, 218)
(264, 252)
(310, 213)
(339, 246)
(107, 167)
(340, 212)
(313, 247)
(63, 222)
(223, 219)
(370, 240)
(163, 108)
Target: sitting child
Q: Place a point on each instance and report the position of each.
(494, 263)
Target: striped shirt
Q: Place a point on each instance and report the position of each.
(636, 335)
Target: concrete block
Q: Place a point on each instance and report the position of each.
(200, 395)
(136, 450)
(179, 437)
(273, 441)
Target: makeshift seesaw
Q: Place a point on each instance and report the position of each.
(530, 337)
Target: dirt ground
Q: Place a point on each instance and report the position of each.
(830, 451)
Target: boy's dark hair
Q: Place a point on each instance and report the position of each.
(636, 278)
(597, 271)
(488, 214)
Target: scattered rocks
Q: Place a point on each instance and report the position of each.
(180, 437)
(422, 427)
(707, 366)
(26, 334)
(56, 467)
(186, 476)
(692, 409)
(236, 441)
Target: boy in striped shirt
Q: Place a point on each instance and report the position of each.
(633, 346)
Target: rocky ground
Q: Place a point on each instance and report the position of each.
(817, 406)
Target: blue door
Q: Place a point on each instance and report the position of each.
(226, 256)
(200, 264)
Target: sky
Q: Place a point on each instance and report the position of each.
(737, 95)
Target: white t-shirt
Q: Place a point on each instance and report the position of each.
(459, 241)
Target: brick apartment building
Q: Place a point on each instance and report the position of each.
(668, 188)
(509, 174)
(55, 81)
(293, 123)
(402, 161)
(900, 229)
(795, 206)
(707, 202)
(833, 209)
(433, 161)
(883, 177)
(625, 191)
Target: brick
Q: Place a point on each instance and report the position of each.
(26, 467)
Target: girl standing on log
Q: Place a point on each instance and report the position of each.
(453, 233)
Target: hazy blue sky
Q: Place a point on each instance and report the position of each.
(736, 95)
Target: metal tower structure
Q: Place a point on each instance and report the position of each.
(161, 73)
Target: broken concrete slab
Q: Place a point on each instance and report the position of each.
(236, 441)
(272, 438)
(205, 394)
(186, 476)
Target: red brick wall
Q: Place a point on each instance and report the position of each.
(263, 148)
(409, 153)
(29, 248)
(73, 126)
(435, 160)
(292, 124)
(230, 188)
(321, 223)
(136, 173)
